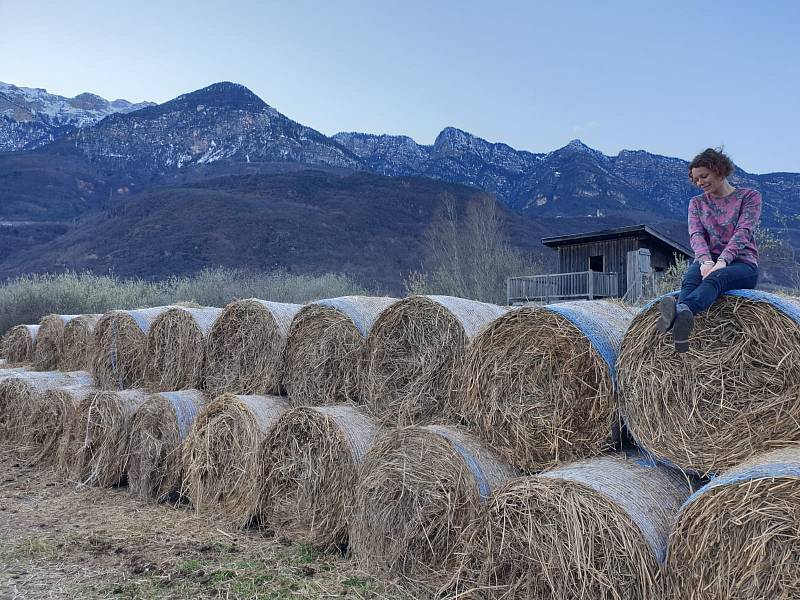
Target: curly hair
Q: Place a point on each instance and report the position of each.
(714, 160)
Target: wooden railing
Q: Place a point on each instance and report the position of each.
(562, 286)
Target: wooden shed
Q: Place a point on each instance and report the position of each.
(600, 264)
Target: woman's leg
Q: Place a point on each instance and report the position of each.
(667, 305)
(736, 276)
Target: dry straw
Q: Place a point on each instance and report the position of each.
(418, 489)
(78, 343)
(176, 348)
(17, 393)
(18, 343)
(738, 538)
(596, 528)
(159, 428)
(325, 349)
(222, 458)
(52, 412)
(49, 346)
(734, 393)
(120, 347)
(412, 352)
(311, 462)
(538, 383)
(245, 353)
(99, 436)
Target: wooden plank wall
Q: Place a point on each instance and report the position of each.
(574, 258)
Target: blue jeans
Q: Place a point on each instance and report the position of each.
(698, 293)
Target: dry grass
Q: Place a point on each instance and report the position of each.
(51, 413)
(18, 343)
(17, 392)
(245, 350)
(221, 456)
(97, 443)
(159, 428)
(121, 347)
(536, 389)
(734, 393)
(78, 343)
(419, 487)
(311, 460)
(325, 349)
(739, 537)
(176, 348)
(49, 346)
(413, 351)
(594, 529)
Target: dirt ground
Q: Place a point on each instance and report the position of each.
(61, 541)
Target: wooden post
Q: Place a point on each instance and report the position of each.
(591, 284)
(638, 265)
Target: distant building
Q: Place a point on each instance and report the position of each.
(612, 263)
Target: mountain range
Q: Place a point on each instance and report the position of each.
(70, 163)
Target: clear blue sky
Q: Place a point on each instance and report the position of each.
(668, 77)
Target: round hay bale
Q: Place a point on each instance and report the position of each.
(17, 392)
(418, 489)
(325, 349)
(738, 537)
(413, 351)
(733, 394)
(245, 352)
(176, 348)
(49, 346)
(595, 528)
(120, 347)
(311, 461)
(51, 414)
(78, 343)
(103, 424)
(221, 455)
(538, 383)
(159, 428)
(18, 343)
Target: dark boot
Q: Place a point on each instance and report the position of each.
(666, 308)
(682, 327)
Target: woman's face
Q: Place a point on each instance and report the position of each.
(708, 180)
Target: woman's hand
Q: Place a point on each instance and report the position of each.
(706, 268)
(720, 264)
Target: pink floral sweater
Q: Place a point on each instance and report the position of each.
(723, 227)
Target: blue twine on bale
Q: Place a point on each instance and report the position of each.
(185, 411)
(358, 318)
(765, 471)
(484, 489)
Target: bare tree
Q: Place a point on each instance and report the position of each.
(469, 255)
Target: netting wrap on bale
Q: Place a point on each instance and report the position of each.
(538, 383)
(18, 343)
(418, 489)
(100, 432)
(738, 537)
(246, 345)
(49, 346)
(78, 343)
(120, 347)
(17, 392)
(736, 392)
(325, 349)
(311, 463)
(596, 528)
(222, 455)
(176, 348)
(52, 411)
(413, 351)
(160, 426)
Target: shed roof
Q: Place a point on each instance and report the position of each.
(608, 234)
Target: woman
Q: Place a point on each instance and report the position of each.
(722, 221)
